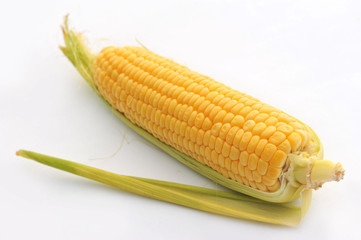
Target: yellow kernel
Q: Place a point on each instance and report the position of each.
(193, 134)
(230, 135)
(207, 153)
(260, 146)
(268, 152)
(172, 106)
(218, 145)
(259, 128)
(181, 111)
(198, 102)
(177, 109)
(296, 125)
(286, 129)
(198, 88)
(203, 106)
(237, 121)
(252, 161)
(202, 150)
(285, 146)
(225, 149)
(173, 120)
(237, 138)
(193, 99)
(262, 167)
(273, 173)
(257, 106)
(217, 99)
(211, 95)
(256, 177)
(200, 136)
(277, 138)
(248, 174)
(268, 132)
(248, 125)
(223, 101)
(214, 157)
(275, 186)
(295, 140)
(279, 124)
(187, 113)
(208, 109)
(234, 167)
(187, 132)
(249, 102)
(241, 170)
(228, 106)
(304, 136)
(220, 116)
(192, 118)
(207, 135)
(279, 159)
(212, 141)
(183, 128)
(199, 120)
(245, 111)
(181, 96)
(245, 140)
(261, 187)
(214, 112)
(221, 161)
(243, 159)
(216, 129)
(227, 163)
(252, 115)
(237, 108)
(245, 180)
(283, 117)
(234, 154)
(252, 144)
(228, 118)
(261, 117)
(267, 109)
(224, 130)
(207, 124)
(271, 121)
(268, 181)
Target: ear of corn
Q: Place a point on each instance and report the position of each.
(227, 136)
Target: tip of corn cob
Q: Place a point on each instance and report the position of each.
(325, 171)
(312, 171)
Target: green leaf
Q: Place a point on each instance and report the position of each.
(230, 204)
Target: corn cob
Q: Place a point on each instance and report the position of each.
(236, 135)
(245, 140)
(250, 146)
(228, 136)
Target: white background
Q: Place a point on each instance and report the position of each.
(303, 58)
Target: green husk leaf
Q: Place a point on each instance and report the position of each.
(214, 201)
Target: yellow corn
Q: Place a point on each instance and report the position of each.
(228, 136)
(235, 134)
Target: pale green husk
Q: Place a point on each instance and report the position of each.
(258, 205)
(230, 204)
